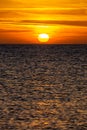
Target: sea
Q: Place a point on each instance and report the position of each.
(43, 87)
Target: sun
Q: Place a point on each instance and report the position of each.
(43, 37)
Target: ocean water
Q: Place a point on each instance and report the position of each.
(43, 87)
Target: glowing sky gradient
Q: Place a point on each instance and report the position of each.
(64, 20)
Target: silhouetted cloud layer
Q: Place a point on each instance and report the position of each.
(48, 22)
(72, 23)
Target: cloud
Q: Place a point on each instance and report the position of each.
(72, 23)
(42, 3)
(13, 30)
(63, 16)
(61, 11)
(44, 22)
(50, 11)
(3, 30)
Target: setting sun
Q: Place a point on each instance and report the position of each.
(43, 37)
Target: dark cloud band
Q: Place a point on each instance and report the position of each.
(72, 23)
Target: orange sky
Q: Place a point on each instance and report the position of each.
(64, 20)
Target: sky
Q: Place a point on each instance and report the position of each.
(65, 21)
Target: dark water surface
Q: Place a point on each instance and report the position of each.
(43, 87)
